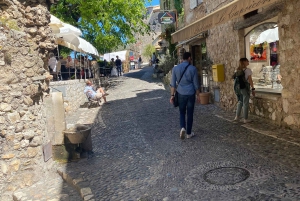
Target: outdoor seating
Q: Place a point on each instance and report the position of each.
(92, 101)
(105, 71)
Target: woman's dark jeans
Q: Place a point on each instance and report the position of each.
(186, 106)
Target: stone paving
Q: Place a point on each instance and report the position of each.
(139, 155)
(52, 188)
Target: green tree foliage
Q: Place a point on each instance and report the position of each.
(64, 51)
(178, 4)
(148, 51)
(107, 24)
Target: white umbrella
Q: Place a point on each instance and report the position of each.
(55, 23)
(80, 43)
(269, 36)
(67, 28)
(60, 27)
(68, 36)
(62, 42)
(93, 50)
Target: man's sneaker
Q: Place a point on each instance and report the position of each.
(190, 136)
(182, 133)
(236, 119)
(247, 121)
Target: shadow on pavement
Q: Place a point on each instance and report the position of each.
(138, 154)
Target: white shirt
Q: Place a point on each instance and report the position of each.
(70, 63)
(52, 63)
(248, 72)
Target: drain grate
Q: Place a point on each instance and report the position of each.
(226, 175)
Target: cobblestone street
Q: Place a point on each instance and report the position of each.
(139, 155)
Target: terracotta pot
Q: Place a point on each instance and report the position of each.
(204, 98)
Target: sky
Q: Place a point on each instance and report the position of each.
(153, 3)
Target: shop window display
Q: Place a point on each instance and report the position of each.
(261, 48)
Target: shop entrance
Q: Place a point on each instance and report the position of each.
(199, 56)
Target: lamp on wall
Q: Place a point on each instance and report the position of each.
(205, 80)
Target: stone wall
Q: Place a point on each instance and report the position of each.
(289, 29)
(25, 40)
(72, 93)
(208, 6)
(225, 45)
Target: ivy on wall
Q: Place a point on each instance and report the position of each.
(178, 6)
(172, 47)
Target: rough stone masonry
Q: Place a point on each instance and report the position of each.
(25, 40)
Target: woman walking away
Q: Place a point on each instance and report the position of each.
(242, 82)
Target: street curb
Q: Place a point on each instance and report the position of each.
(78, 183)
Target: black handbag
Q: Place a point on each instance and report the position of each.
(175, 100)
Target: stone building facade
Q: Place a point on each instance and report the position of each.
(227, 41)
(25, 41)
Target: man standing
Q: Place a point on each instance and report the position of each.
(119, 66)
(186, 89)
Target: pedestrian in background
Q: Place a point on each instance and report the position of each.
(139, 61)
(52, 63)
(243, 95)
(64, 70)
(119, 66)
(153, 60)
(188, 90)
(70, 66)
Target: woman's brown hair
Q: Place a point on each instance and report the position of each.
(242, 64)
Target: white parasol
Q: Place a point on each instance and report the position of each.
(269, 36)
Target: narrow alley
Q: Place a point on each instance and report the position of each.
(138, 154)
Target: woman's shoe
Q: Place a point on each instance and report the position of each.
(182, 133)
(188, 136)
(247, 121)
(236, 119)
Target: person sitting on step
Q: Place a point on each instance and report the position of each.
(94, 94)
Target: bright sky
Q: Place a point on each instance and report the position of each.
(153, 3)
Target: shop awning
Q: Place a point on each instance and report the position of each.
(229, 12)
(197, 37)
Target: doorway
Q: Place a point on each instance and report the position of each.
(199, 57)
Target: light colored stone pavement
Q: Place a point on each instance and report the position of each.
(52, 188)
(139, 155)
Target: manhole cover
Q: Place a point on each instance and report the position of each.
(226, 176)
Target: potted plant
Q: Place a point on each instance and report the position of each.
(206, 71)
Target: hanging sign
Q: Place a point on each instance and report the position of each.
(166, 18)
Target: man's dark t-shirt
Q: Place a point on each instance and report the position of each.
(118, 62)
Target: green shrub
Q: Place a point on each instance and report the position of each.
(167, 63)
